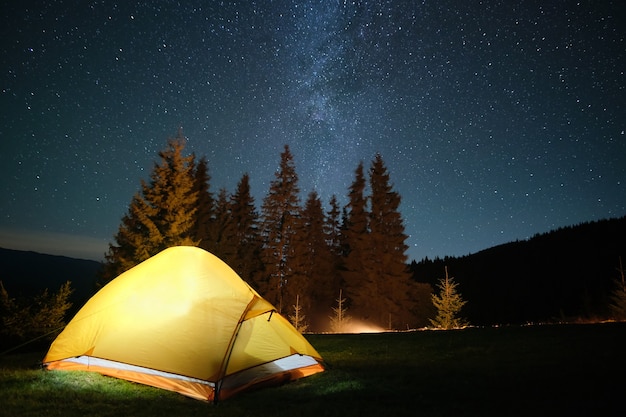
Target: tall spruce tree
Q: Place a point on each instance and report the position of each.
(360, 289)
(332, 226)
(388, 269)
(280, 212)
(163, 214)
(244, 227)
(222, 242)
(334, 238)
(313, 263)
(204, 215)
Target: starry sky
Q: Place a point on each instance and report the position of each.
(497, 120)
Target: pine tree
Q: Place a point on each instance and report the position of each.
(360, 289)
(48, 310)
(334, 239)
(388, 266)
(280, 212)
(162, 215)
(245, 229)
(312, 261)
(340, 320)
(449, 304)
(171, 192)
(297, 319)
(205, 221)
(222, 242)
(378, 281)
(42, 315)
(332, 227)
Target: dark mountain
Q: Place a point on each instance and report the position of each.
(566, 274)
(25, 274)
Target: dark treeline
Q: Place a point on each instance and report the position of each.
(564, 275)
(297, 253)
(292, 252)
(296, 250)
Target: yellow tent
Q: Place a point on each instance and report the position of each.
(184, 321)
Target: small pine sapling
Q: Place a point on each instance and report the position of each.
(448, 303)
(297, 318)
(340, 320)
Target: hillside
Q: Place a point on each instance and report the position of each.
(566, 274)
(561, 275)
(27, 273)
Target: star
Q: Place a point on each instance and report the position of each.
(495, 124)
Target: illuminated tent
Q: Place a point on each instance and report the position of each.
(184, 321)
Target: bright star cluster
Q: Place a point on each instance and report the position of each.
(496, 121)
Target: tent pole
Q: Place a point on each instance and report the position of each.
(229, 351)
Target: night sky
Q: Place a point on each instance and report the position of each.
(497, 120)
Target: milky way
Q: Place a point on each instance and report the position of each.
(496, 121)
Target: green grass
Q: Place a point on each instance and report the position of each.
(511, 371)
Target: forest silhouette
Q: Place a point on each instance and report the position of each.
(301, 256)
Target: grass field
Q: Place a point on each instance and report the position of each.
(555, 370)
